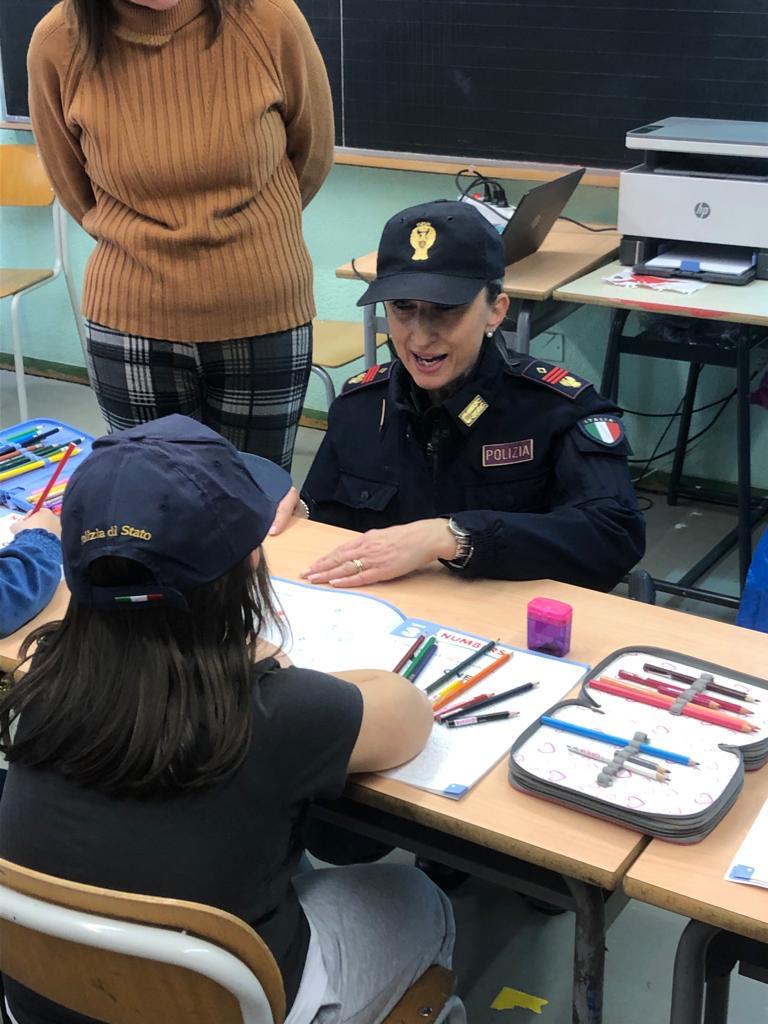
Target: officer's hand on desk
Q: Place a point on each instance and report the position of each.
(290, 506)
(384, 554)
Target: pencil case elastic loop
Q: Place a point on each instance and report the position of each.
(606, 777)
(696, 687)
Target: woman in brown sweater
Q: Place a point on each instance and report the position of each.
(186, 136)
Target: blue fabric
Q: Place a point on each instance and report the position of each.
(753, 611)
(30, 571)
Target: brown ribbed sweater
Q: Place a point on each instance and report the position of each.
(189, 164)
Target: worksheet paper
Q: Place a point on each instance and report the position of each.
(336, 630)
(6, 521)
(750, 865)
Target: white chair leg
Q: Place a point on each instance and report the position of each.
(454, 1012)
(18, 359)
(325, 377)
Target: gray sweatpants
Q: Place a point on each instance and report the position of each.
(375, 928)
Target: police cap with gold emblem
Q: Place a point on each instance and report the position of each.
(441, 252)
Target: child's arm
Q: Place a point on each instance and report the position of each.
(30, 570)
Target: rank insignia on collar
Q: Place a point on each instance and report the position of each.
(565, 382)
(472, 412)
(606, 430)
(422, 238)
(373, 375)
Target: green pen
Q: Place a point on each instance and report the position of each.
(419, 657)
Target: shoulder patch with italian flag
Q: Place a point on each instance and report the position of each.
(606, 430)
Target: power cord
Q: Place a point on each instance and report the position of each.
(493, 190)
(586, 227)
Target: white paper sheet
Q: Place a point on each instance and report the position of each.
(332, 630)
(750, 865)
(6, 521)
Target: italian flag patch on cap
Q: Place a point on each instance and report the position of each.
(606, 430)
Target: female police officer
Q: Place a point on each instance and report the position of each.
(498, 465)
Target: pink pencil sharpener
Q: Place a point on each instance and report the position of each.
(549, 626)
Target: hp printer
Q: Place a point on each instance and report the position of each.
(697, 205)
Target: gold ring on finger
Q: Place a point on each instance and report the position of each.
(358, 564)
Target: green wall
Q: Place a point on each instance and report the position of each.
(344, 221)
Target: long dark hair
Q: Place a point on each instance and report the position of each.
(142, 701)
(96, 19)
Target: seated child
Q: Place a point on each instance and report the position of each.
(158, 746)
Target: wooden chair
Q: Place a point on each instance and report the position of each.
(336, 343)
(129, 959)
(23, 182)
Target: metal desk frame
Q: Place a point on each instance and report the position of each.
(750, 510)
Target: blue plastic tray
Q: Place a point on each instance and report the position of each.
(18, 491)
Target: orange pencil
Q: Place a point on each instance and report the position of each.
(456, 689)
(72, 447)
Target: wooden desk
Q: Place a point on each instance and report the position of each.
(567, 252)
(692, 882)
(496, 831)
(747, 305)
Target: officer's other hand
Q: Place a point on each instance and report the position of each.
(42, 520)
(384, 554)
(289, 507)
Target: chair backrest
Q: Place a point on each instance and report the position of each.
(130, 959)
(23, 181)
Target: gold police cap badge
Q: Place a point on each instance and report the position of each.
(423, 237)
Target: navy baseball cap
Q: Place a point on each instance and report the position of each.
(443, 252)
(172, 495)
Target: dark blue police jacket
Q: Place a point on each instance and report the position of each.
(526, 456)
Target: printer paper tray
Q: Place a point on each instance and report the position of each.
(710, 276)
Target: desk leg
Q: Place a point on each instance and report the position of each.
(683, 430)
(689, 979)
(523, 329)
(610, 383)
(589, 952)
(744, 463)
(369, 335)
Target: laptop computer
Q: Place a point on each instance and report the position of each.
(535, 214)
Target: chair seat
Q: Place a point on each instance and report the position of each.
(338, 342)
(14, 281)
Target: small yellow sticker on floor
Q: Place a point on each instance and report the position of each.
(510, 999)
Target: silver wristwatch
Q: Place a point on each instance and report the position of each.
(464, 545)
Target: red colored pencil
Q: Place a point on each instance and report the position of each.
(674, 691)
(39, 503)
(409, 654)
(657, 700)
(681, 677)
(463, 705)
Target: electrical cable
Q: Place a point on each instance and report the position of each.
(586, 227)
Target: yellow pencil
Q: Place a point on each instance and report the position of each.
(26, 468)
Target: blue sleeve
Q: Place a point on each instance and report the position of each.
(30, 571)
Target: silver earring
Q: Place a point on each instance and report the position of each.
(489, 334)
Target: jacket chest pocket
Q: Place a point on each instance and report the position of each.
(362, 493)
(513, 494)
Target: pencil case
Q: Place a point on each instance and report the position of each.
(639, 776)
(29, 467)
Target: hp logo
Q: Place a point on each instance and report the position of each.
(702, 210)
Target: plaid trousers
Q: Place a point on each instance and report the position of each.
(249, 390)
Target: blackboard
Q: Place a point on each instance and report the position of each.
(533, 80)
(17, 20)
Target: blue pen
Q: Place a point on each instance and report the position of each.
(424, 661)
(616, 741)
